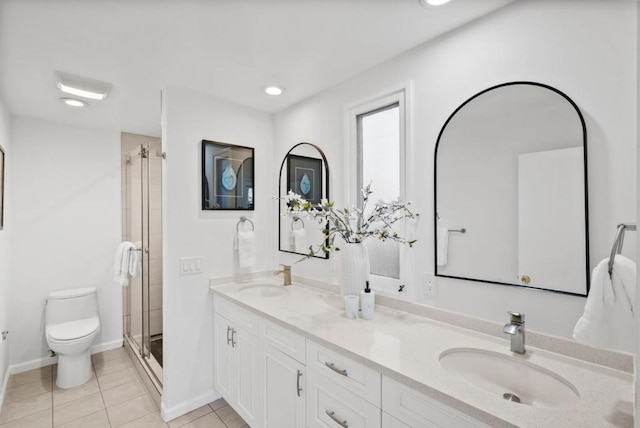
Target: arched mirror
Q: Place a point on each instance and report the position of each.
(511, 190)
(304, 170)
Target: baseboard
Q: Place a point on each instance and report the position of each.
(47, 361)
(33, 364)
(187, 406)
(107, 346)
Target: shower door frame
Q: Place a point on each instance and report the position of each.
(143, 347)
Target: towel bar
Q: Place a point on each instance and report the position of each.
(462, 230)
(242, 220)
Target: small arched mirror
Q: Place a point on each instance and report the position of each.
(511, 190)
(304, 171)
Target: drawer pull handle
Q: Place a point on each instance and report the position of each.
(229, 339)
(233, 338)
(337, 420)
(298, 383)
(343, 372)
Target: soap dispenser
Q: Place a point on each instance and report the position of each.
(367, 302)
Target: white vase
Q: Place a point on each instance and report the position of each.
(354, 271)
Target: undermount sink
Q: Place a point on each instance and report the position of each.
(509, 378)
(264, 290)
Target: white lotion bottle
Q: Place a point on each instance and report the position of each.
(367, 303)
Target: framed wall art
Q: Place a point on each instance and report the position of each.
(304, 177)
(227, 176)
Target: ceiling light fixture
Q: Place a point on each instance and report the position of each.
(73, 102)
(274, 90)
(430, 3)
(82, 87)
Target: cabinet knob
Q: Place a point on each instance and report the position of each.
(525, 279)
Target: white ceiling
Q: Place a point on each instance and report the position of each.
(229, 49)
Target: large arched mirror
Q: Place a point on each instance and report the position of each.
(304, 170)
(511, 190)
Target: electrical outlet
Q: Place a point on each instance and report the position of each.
(430, 285)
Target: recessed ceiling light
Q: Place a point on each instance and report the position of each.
(73, 102)
(274, 90)
(81, 86)
(429, 3)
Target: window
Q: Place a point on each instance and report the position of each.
(378, 149)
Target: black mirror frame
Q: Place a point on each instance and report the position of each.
(586, 189)
(326, 196)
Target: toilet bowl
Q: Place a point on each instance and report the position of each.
(72, 325)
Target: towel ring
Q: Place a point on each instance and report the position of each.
(242, 220)
(295, 220)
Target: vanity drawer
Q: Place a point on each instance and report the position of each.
(353, 376)
(241, 318)
(331, 406)
(286, 341)
(417, 410)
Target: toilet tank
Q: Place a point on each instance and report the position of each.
(71, 305)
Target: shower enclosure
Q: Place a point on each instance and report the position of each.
(142, 223)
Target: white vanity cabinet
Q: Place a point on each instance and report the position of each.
(275, 378)
(236, 356)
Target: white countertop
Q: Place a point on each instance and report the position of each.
(407, 347)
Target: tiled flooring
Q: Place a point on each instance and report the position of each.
(114, 397)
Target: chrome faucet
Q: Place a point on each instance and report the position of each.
(286, 274)
(515, 328)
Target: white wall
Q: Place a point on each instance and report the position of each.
(66, 210)
(586, 49)
(5, 238)
(188, 118)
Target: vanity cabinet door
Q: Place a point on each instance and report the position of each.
(236, 367)
(222, 354)
(283, 383)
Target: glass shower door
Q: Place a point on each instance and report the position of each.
(138, 218)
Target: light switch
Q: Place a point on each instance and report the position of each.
(190, 265)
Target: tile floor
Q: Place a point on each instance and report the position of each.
(114, 397)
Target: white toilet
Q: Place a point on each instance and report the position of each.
(72, 325)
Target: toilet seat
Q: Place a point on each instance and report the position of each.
(74, 330)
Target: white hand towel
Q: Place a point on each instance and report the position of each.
(608, 320)
(246, 249)
(443, 245)
(121, 263)
(300, 241)
(135, 263)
